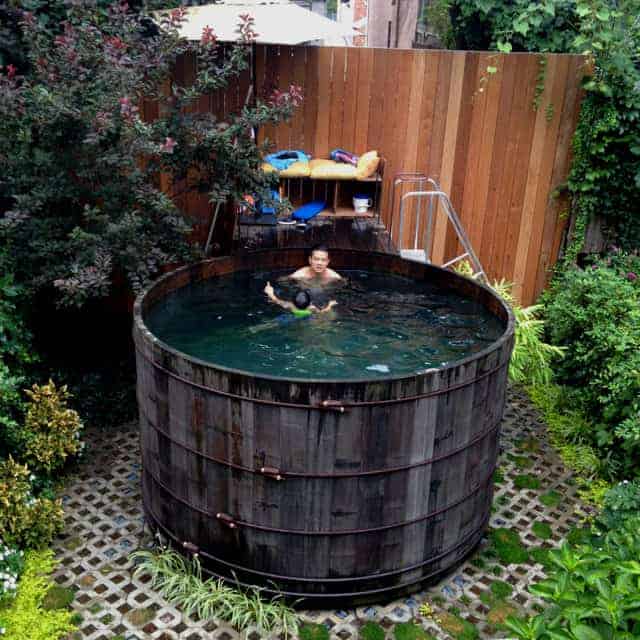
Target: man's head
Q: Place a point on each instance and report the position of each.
(302, 299)
(319, 259)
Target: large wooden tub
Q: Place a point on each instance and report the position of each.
(331, 490)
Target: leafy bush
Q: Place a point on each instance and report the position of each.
(180, 582)
(11, 566)
(595, 315)
(52, 431)
(531, 358)
(80, 165)
(25, 521)
(25, 618)
(621, 502)
(593, 590)
(15, 356)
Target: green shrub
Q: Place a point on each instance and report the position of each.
(25, 618)
(532, 356)
(80, 164)
(592, 590)
(568, 428)
(15, 356)
(25, 520)
(595, 314)
(621, 502)
(180, 582)
(52, 430)
(371, 631)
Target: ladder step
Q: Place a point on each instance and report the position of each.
(417, 255)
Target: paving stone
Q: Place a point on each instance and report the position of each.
(104, 524)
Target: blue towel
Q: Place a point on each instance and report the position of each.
(284, 159)
(309, 210)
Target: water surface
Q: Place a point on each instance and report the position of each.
(384, 325)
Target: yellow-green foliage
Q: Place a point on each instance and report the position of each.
(24, 618)
(25, 521)
(566, 428)
(180, 581)
(463, 268)
(52, 430)
(532, 357)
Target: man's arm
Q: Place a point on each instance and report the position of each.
(268, 289)
(329, 306)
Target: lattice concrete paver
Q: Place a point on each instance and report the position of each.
(104, 524)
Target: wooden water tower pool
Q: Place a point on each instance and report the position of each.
(340, 490)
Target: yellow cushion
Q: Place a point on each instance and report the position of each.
(330, 170)
(267, 167)
(367, 164)
(296, 170)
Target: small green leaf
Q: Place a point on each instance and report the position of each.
(583, 10)
(521, 27)
(603, 15)
(492, 70)
(504, 47)
(583, 632)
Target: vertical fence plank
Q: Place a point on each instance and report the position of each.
(336, 114)
(499, 162)
(321, 147)
(450, 146)
(351, 89)
(556, 103)
(363, 99)
(526, 119)
(535, 177)
(555, 222)
(310, 103)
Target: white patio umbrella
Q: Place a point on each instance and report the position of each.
(276, 22)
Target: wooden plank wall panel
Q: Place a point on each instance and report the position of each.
(496, 156)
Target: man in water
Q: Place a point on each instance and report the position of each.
(318, 269)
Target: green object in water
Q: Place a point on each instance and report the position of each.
(301, 313)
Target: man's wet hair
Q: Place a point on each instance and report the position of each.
(319, 247)
(302, 299)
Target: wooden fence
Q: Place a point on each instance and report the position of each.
(442, 112)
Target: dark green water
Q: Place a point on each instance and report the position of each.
(383, 326)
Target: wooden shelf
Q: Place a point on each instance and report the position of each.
(345, 212)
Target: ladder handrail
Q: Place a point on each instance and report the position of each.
(478, 271)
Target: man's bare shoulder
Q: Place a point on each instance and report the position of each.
(300, 274)
(333, 275)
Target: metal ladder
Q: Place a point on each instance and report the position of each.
(438, 197)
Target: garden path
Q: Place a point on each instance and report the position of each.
(535, 496)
